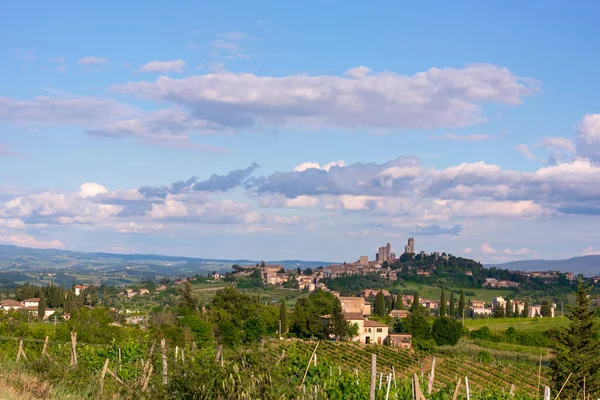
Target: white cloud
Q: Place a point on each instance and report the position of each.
(310, 164)
(91, 60)
(23, 240)
(468, 250)
(559, 143)
(164, 66)
(91, 189)
(589, 251)
(385, 101)
(487, 249)
(524, 150)
(12, 223)
(588, 136)
(61, 110)
(461, 138)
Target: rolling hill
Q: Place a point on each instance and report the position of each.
(586, 265)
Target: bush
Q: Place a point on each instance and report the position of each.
(484, 357)
(446, 331)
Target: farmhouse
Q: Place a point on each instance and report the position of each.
(8, 305)
(355, 305)
(399, 313)
(31, 302)
(400, 340)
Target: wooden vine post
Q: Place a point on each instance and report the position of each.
(45, 349)
(20, 352)
(417, 393)
(73, 348)
(163, 345)
(457, 389)
(308, 364)
(373, 376)
(431, 377)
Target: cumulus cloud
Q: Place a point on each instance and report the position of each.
(309, 164)
(431, 230)
(164, 66)
(461, 138)
(487, 249)
(165, 128)
(23, 240)
(61, 111)
(588, 137)
(385, 101)
(91, 60)
(589, 251)
(225, 182)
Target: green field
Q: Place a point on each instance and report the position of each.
(521, 324)
(434, 292)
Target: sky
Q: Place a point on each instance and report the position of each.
(314, 130)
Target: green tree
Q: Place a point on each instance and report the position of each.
(577, 348)
(189, 302)
(508, 310)
(462, 304)
(546, 309)
(418, 326)
(380, 304)
(338, 326)
(443, 303)
(446, 331)
(42, 305)
(390, 304)
(451, 308)
(283, 316)
(399, 303)
(415, 306)
(525, 312)
(499, 312)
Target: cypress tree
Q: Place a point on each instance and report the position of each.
(338, 326)
(508, 309)
(42, 305)
(443, 304)
(380, 304)
(525, 312)
(577, 348)
(415, 307)
(451, 308)
(462, 304)
(390, 303)
(399, 304)
(283, 316)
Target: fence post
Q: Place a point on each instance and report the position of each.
(103, 375)
(431, 377)
(373, 376)
(457, 389)
(163, 345)
(389, 384)
(467, 387)
(73, 348)
(546, 393)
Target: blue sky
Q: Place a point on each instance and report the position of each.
(472, 126)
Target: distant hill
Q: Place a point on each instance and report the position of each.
(15, 257)
(586, 265)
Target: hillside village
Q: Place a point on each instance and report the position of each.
(357, 309)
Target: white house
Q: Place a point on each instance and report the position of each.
(10, 304)
(31, 302)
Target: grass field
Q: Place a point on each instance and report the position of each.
(521, 324)
(434, 292)
(206, 291)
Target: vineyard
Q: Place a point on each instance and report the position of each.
(271, 369)
(355, 357)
